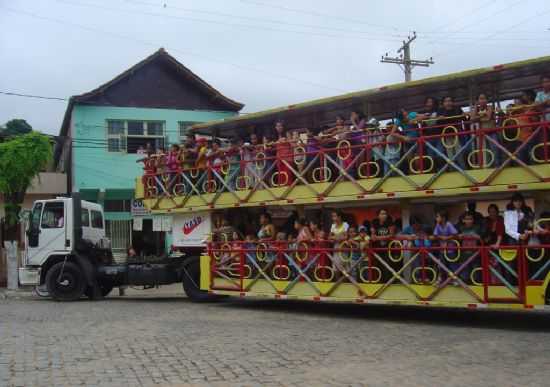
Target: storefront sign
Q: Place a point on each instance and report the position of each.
(139, 209)
(191, 230)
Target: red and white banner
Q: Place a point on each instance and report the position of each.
(191, 229)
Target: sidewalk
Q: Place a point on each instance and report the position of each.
(22, 292)
(165, 291)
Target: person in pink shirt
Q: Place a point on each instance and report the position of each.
(304, 234)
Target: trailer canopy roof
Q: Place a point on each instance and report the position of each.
(500, 82)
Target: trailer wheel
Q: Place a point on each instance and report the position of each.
(191, 282)
(65, 281)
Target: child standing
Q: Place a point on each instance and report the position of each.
(482, 116)
(443, 232)
(382, 229)
(392, 151)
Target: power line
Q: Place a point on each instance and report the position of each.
(32, 96)
(538, 14)
(467, 14)
(256, 19)
(319, 14)
(405, 59)
(185, 52)
(371, 36)
(217, 22)
(491, 16)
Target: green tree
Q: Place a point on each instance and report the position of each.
(17, 127)
(21, 159)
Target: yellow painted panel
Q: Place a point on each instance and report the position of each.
(222, 282)
(458, 294)
(449, 296)
(521, 175)
(449, 184)
(345, 188)
(500, 292)
(535, 294)
(139, 193)
(399, 292)
(303, 289)
(259, 287)
(205, 272)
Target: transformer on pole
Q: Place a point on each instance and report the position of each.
(404, 60)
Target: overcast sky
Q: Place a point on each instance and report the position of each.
(260, 52)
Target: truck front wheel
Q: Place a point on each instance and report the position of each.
(65, 281)
(191, 282)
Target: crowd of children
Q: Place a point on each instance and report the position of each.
(355, 246)
(481, 137)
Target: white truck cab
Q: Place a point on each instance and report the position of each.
(50, 228)
(67, 255)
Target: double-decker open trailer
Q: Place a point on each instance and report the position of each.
(357, 178)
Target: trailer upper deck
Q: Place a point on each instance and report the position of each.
(440, 157)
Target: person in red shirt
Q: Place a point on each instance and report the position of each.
(494, 227)
(285, 153)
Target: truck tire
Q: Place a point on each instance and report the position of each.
(65, 281)
(191, 282)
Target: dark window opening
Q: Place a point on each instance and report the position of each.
(85, 218)
(135, 128)
(117, 205)
(115, 127)
(53, 215)
(35, 218)
(97, 219)
(113, 145)
(155, 128)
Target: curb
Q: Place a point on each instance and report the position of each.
(6, 294)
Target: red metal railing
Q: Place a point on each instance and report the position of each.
(458, 146)
(461, 262)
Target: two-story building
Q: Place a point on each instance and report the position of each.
(155, 102)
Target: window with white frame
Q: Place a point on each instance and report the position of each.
(184, 128)
(115, 133)
(132, 136)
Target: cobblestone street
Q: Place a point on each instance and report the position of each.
(169, 341)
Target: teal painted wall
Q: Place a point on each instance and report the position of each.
(96, 168)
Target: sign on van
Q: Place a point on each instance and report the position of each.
(191, 229)
(139, 209)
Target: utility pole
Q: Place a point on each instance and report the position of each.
(404, 60)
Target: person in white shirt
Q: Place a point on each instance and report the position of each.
(338, 234)
(518, 220)
(339, 228)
